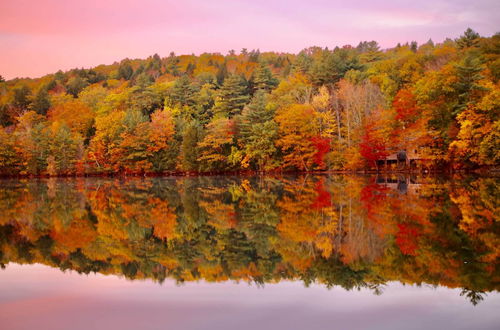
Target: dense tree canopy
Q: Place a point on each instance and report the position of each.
(346, 108)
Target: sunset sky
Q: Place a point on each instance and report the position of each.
(41, 36)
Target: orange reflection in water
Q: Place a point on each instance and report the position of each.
(348, 231)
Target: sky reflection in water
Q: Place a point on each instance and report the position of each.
(39, 297)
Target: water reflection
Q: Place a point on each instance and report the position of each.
(353, 232)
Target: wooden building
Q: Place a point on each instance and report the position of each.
(401, 160)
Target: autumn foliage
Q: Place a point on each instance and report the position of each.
(372, 146)
(337, 108)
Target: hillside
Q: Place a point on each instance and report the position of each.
(346, 108)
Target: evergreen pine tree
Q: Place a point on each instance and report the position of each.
(183, 92)
(257, 132)
(75, 85)
(232, 97)
(125, 71)
(22, 97)
(468, 72)
(470, 38)
(41, 102)
(263, 78)
(189, 154)
(172, 64)
(221, 74)
(254, 113)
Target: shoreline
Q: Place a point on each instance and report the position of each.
(480, 171)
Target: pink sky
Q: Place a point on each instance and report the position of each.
(42, 36)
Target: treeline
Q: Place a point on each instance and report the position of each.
(332, 230)
(342, 109)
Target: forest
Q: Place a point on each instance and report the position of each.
(348, 231)
(348, 109)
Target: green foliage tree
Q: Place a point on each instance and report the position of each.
(303, 62)
(183, 92)
(257, 133)
(22, 97)
(172, 64)
(75, 85)
(330, 66)
(470, 38)
(468, 73)
(144, 80)
(65, 148)
(222, 73)
(125, 71)
(145, 100)
(232, 97)
(414, 46)
(59, 76)
(189, 151)
(41, 102)
(263, 78)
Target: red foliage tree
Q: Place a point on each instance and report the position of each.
(372, 147)
(405, 106)
(322, 146)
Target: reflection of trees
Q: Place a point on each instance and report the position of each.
(475, 297)
(346, 231)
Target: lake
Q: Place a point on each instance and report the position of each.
(250, 252)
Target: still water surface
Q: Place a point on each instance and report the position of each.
(293, 252)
